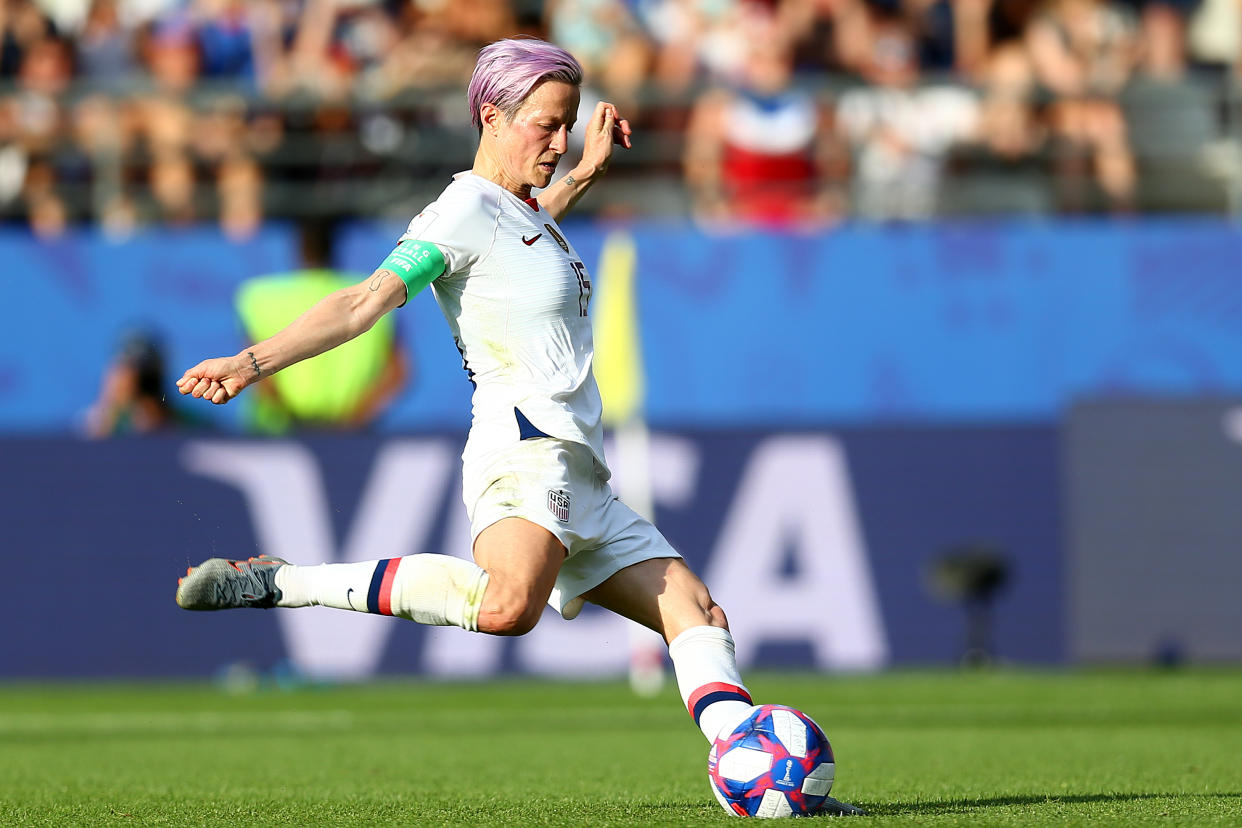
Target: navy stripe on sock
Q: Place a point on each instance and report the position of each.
(711, 698)
(377, 581)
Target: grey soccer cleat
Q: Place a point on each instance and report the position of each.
(218, 584)
(835, 807)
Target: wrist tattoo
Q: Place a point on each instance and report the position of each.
(570, 180)
(378, 280)
(254, 363)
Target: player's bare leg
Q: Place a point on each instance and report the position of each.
(522, 560)
(663, 594)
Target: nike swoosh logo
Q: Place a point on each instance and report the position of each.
(529, 242)
(350, 600)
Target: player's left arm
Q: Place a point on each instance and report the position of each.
(605, 131)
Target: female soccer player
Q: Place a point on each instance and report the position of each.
(546, 527)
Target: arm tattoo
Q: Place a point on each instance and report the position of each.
(378, 280)
(570, 180)
(254, 363)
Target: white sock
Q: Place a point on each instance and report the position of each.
(431, 589)
(711, 687)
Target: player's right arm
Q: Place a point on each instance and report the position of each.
(337, 318)
(605, 130)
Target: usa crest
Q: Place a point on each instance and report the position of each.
(558, 504)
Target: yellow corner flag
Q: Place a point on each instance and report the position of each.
(618, 346)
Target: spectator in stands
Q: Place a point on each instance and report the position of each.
(224, 37)
(39, 181)
(219, 129)
(1214, 35)
(239, 192)
(173, 190)
(760, 150)
(367, 34)
(39, 105)
(832, 36)
(13, 157)
(1009, 123)
(474, 22)
(1109, 83)
(107, 49)
(696, 40)
(1171, 119)
(828, 37)
(49, 217)
(309, 63)
(1083, 52)
(900, 129)
(170, 54)
(164, 124)
(1004, 169)
(100, 127)
(22, 26)
(607, 40)
(102, 135)
(117, 217)
(45, 74)
(426, 55)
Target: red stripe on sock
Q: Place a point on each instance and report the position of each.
(714, 687)
(385, 593)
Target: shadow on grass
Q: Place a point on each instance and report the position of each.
(965, 804)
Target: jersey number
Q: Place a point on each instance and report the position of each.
(584, 287)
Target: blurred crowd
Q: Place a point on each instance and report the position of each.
(125, 113)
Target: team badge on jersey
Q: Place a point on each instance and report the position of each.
(558, 504)
(559, 238)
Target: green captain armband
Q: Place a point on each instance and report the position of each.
(418, 263)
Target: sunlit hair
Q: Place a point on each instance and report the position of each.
(509, 70)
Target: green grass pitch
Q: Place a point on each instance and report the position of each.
(934, 748)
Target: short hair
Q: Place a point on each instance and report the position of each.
(509, 70)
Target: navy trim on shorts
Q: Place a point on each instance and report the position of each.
(526, 429)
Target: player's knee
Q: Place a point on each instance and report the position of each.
(713, 614)
(716, 615)
(514, 617)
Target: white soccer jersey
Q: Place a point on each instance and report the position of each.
(515, 295)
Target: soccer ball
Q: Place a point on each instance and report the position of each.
(776, 763)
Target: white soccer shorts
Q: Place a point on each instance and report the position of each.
(552, 483)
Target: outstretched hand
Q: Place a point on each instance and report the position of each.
(606, 129)
(215, 380)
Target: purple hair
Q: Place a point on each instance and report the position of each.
(509, 70)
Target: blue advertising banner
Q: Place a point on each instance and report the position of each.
(817, 543)
(981, 322)
(996, 321)
(70, 301)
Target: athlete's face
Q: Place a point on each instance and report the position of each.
(527, 148)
